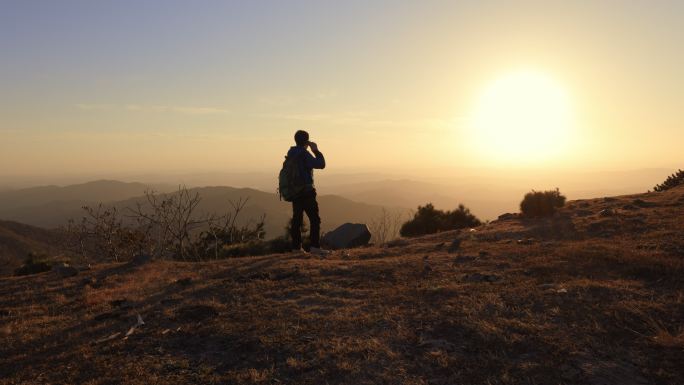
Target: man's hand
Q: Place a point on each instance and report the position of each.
(314, 146)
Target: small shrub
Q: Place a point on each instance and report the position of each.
(673, 180)
(428, 220)
(253, 247)
(34, 264)
(541, 203)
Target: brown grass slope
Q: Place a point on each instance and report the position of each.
(17, 240)
(588, 297)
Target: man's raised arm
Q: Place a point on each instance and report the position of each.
(319, 160)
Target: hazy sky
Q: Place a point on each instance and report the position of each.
(119, 86)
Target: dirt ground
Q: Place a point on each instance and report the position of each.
(594, 295)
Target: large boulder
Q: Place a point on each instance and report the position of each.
(348, 235)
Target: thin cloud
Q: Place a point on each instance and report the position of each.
(91, 107)
(189, 110)
(361, 119)
(177, 109)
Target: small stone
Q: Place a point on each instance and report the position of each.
(607, 213)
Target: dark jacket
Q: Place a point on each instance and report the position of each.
(307, 162)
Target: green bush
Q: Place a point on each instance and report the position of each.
(541, 203)
(673, 180)
(428, 220)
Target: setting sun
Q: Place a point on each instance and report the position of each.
(521, 117)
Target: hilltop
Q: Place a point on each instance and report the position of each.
(594, 295)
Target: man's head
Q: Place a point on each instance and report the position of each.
(301, 138)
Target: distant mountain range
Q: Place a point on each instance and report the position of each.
(52, 206)
(95, 191)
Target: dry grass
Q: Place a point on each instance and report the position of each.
(579, 303)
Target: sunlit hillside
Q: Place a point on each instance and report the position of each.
(590, 296)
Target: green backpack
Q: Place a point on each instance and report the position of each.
(290, 181)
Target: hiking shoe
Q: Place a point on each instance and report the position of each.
(320, 252)
(299, 251)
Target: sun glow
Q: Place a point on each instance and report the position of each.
(522, 117)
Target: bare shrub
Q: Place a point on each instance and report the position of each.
(101, 235)
(386, 226)
(162, 226)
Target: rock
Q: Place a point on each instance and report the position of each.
(507, 216)
(63, 270)
(347, 236)
(607, 213)
(455, 245)
(139, 322)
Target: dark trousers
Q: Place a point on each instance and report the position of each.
(306, 203)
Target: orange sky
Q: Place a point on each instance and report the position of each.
(380, 85)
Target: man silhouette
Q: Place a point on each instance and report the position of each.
(306, 202)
